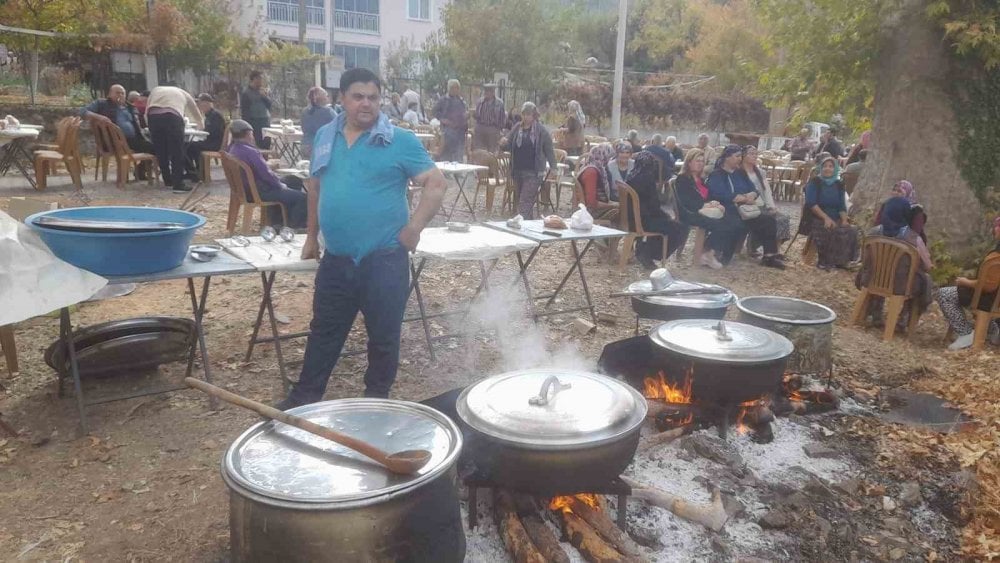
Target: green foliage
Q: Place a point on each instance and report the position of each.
(971, 26)
(79, 95)
(945, 268)
(440, 63)
(723, 27)
(667, 29)
(514, 36)
(977, 111)
(823, 54)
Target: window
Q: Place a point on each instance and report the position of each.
(316, 47)
(356, 56)
(363, 6)
(287, 11)
(419, 9)
(360, 16)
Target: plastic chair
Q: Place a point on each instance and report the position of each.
(62, 128)
(243, 193)
(882, 258)
(628, 207)
(68, 155)
(125, 159)
(208, 156)
(987, 280)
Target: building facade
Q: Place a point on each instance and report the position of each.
(361, 32)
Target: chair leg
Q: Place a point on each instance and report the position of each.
(40, 174)
(9, 351)
(911, 327)
(232, 215)
(73, 166)
(97, 167)
(663, 248)
(284, 213)
(490, 194)
(122, 171)
(248, 217)
(627, 250)
(982, 328)
(206, 165)
(104, 169)
(860, 306)
(893, 308)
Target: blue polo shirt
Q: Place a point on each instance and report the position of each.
(362, 201)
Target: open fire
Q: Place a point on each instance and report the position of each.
(567, 502)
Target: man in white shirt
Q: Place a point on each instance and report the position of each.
(411, 116)
(165, 111)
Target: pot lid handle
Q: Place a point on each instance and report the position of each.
(721, 334)
(543, 396)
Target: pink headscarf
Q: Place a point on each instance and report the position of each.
(598, 159)
(866, 139)
(908, 191)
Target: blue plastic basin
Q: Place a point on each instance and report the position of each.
(117, 254)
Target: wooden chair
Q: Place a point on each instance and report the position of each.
(62, 128)
(508, 205)
(545, 193)
(68, 155)
(628, 207)
(208, 156)
(243, 193)
(125, 159)
(987, 280)
(882, 258)
(489, 180)
(104, 150)
(9, 351)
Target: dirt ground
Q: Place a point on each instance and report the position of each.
(144, 484)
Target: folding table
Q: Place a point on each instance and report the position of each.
(465, 177)
(287, 144)
(536, 231)
(223, 264)
(14, 151)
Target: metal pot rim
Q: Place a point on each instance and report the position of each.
(237, 482)
(779, 347)
(740, 304)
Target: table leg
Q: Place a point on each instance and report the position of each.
(415, 287)
(198, 308)
(583, 277)
(279, 356)
(266, 281)
(576, 263)
(66, 333)
(462, 186)
(6, 153)
(523, 265)
(18, 145)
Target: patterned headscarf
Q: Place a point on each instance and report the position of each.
(622, 146)
(908, 191)
(727, 152)
(646, 170)
(574, 106)
(598, 159)
(532, 134)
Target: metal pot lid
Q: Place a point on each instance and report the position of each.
(282, 462)
(786, 310)
(694, 301)
(552, 408)
(721, 341)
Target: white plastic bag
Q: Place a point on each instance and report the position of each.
(581, 220)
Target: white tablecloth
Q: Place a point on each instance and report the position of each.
(276, 255)
(8, 135)
(480, 243)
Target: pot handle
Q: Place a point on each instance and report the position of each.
(543, 396)
(720, 332)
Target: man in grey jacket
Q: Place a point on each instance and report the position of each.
(530, 146)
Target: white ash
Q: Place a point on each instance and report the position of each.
(775, 462)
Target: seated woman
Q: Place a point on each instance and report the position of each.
(620, 168)
(728, 185)
(643, 179)
(697, 209)
(825, 217)
(895, 219)
(757, 177)
(904, 188)
(596, 183)
(954, 297)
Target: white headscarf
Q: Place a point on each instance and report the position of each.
(574, 106)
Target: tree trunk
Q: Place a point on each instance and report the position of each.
(914, 133)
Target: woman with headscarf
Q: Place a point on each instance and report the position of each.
(895, 224)
(573, 137)
(596, 184)
(757, 177)
(643, 177)
(697, 209)
(953, 298)
(824, 217)
(620, 168)
(530, 146)
(728, 185)
(918, 218)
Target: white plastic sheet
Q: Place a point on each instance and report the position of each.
(32, 280)
(276, 255)
(480, 243)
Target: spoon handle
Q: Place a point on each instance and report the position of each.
(359, 446)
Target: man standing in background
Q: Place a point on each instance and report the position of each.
(454, 117)
(255, 108)
(490, 119)
(165, 113)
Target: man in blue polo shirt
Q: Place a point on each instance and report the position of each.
(357, 200)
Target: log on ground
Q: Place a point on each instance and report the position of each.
(512, 531)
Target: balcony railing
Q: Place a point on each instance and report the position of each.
(359, 22)
(289, 13)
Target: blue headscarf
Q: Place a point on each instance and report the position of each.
(727, 152)
(895, 216)
(836, 171)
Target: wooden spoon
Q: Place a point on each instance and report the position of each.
(403, 463)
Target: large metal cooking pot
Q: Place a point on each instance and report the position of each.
(808, 325)
(671, 307)
(547, 430)
(728, 362)
(298, 497)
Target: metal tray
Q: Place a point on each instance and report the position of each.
(125, 346)
(91, 226)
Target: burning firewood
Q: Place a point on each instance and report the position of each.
(611, 533)
(713, 516)
(512, 531)
(663, 437)
(541, 535)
